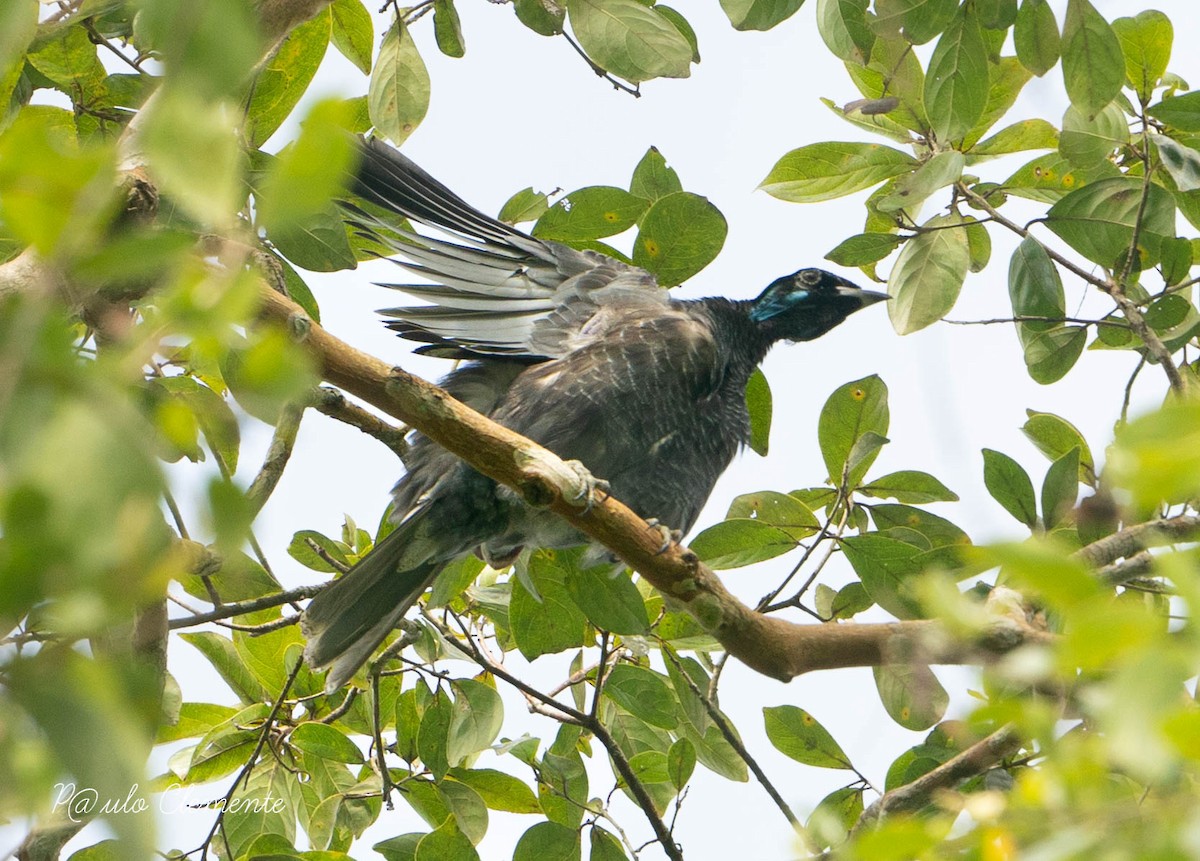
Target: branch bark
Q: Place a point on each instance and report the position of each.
(769, 645)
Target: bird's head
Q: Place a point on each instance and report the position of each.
(808, 303)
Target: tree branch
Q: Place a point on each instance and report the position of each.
(333, 403)
(1133, 539)
(771, 646)
(976, 759)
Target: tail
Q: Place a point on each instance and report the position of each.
(347, 622)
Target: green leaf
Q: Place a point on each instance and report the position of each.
(301, 550)
(937, 530)
(447, 28)
(353, 32)
(326, 742)
(683, 26)
(681, 762)
(853, 410)
(1179, 112)
(1050, 177)
(69, 59)
(318, 243)
(886, 566)
(1060, 488)
(796, 733)
(1006, 79)
(1035, 36)
(534, 15)
(548, 841)
(445, 843)
(498, 790)
(996, 14)
(736, 543)
(920, 20)
(1051, 353)
(604, 846)
(1020, 136)
(956, 85)
(1009, 484)
(864, 249)
(629, 39)
(778, 509)
(1055, 437)
(1098, 221)
(398, 95)
(525, 205)
(929, 273)
(1181, 162)
(194, 720)
(843, 26)
(911, 694)
(680, 235)
(825, 171)
(1087, 141)
(219, 652)
(834, 816)
(1092, 64)
(608, 597)
(759, 14)
(552, 624)
(1036, 290)
(286, 76)
(176, 127)
(910, 486)
(302, 181)
(644, 694)
(1146, 43)
(475, 720)
(453, 580)
(590, 213)
(434, 734)
(467, 807)
(759, 405)
(911, 189)
(1157, 457)
(652, 178)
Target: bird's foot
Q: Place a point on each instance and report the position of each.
(669, 536)
(591, 489)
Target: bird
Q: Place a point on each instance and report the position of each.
(578, 351)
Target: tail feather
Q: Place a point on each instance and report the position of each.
(349, 620)
(389, 179)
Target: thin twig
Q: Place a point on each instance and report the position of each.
(333, 403)
(732, 737)
(600, 70)
(278, 454)
(1028, 318)
(975, 760)
(244, 774)
(226, 611)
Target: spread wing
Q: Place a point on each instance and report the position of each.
(494, 291)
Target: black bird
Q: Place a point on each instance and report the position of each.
(581, 353)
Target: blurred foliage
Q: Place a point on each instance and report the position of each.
(136, 347)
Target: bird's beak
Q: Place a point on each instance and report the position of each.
(865, 297)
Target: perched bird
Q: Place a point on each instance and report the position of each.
(575, 350)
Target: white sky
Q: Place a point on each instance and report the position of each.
(523, 110)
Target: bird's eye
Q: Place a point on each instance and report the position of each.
(808, 277)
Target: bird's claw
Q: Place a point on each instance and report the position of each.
(591, 489)
(669, 536)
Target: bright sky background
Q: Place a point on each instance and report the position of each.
(522, 110)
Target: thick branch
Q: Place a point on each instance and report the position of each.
(771, 646)
(1132, 540)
